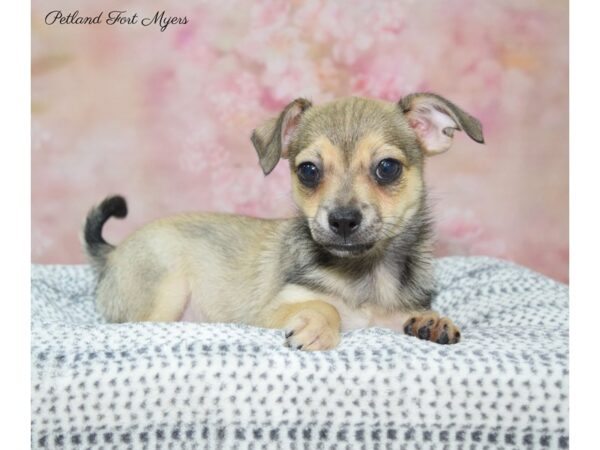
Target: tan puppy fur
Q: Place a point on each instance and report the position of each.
(358, 254)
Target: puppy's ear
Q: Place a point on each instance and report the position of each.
(271, 140)
(435, 120)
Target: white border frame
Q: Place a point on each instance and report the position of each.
(584, 221)
(15, 85)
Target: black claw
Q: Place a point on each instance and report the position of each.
(424, 332)
(457, 337)
(443, 339)
(299, 347)
(289, 334)
(408, 328)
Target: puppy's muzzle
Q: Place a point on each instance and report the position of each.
(345, 221)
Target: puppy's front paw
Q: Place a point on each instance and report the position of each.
(309, 330)
(431, 327)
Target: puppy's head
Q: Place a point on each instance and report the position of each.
(357, 164)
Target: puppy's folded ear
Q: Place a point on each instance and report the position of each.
(435, 119)
(271, 140)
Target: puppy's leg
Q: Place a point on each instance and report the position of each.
(170, 298)
(428, 325)
(310, 325)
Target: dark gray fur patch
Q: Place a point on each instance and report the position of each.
(344, 122)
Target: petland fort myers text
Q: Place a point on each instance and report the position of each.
(160, 19)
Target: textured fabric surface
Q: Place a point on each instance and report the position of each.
(183, 385)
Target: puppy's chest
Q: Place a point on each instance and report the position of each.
(363, 301)
(380, 287)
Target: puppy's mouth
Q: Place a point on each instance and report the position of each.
(358, 243)
(348, 249)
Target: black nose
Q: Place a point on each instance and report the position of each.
(344, 221)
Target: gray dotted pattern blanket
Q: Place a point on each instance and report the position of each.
(184, 385)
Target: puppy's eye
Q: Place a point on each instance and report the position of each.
(308, 174)
(387, 170)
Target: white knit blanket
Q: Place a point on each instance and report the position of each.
(184, 385)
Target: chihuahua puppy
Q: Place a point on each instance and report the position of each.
(358, 254)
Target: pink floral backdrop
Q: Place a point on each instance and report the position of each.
(165, 117)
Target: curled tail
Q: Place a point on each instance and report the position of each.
(95, 245)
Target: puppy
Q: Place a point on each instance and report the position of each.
(358, 254)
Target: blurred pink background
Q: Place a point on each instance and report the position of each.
(165, 117)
